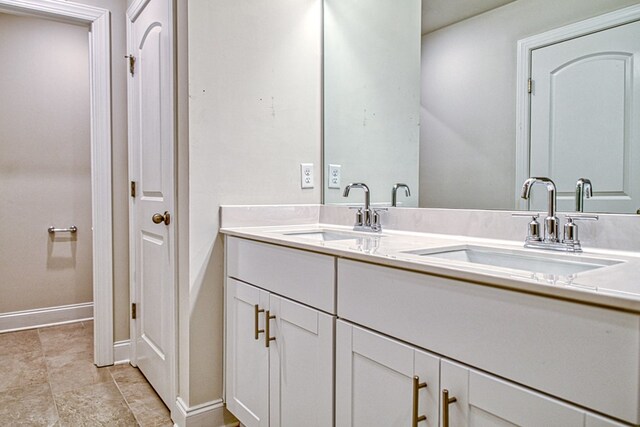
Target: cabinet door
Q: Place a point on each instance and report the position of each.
(247, 359)
(483, 400)
(375, 380)
(301, 365)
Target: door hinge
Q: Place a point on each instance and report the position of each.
(529, 85)
(132, 63)
(133, 189)
(133, 310)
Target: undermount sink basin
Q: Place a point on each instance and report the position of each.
(322, 235)
(552, 264)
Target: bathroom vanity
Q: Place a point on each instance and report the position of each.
(326, 326)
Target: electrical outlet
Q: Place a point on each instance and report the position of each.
(334, 176)
(306, 175)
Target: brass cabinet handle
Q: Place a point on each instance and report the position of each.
(158, 218)
(417, 385)
(267, 338)
(257, 310)
(446, 401)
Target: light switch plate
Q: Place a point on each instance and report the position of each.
(334, 176)
(306, 175)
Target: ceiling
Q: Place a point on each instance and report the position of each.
(440, 13)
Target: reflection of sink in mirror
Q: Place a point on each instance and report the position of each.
(518, 259)
(323, 235)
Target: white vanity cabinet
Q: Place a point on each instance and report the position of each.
(375, 388)
(479, 399)
(279, 353)
(403, 338)
(376, 382)
(586, 355)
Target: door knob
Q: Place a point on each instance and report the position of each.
(158, 218)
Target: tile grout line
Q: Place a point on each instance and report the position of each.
(46, 367)
(123, 396)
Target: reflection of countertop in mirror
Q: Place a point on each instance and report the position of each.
(614, 285)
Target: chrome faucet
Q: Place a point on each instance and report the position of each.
(394, 193)
(551, 221)
(570, 242)
(583, 189)
(366, 219)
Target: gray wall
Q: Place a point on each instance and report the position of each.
(45, 170)
(254, 116)
(468, 97)
(372, 96)
(119, 158)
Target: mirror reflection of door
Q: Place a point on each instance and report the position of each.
(584, 119)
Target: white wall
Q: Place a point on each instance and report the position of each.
(467, 132)
(254, 116)
(45, 170)
(372, 96)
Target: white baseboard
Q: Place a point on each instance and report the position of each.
(210, 414)
(50, 316)
(121, 352)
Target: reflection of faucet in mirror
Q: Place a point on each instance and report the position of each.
(583, 189)
(551, 221)
(394, 193)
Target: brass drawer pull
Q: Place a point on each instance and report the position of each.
(446, 401)
(267, 335)
(257, 310)
(417, 385)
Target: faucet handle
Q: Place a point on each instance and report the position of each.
(375, 220)
(571, 229)
(533, 233)
(359, 216)
(572, 217)
(533, 215)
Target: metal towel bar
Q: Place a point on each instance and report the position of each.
(71, 229)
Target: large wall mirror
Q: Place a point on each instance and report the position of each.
(427, 93)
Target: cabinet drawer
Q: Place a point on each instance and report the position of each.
(302, 276)
(584, 354)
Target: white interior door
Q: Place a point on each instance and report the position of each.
(151, 115)
(584, 119)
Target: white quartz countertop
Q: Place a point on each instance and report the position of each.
(615, 286)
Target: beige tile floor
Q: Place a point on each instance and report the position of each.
(47, 378)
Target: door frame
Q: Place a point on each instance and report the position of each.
(523, 101)
(97, 20)
(133, 11)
